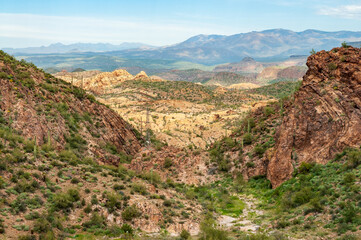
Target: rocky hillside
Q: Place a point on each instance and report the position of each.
(63, 166)
(47, 109)
(325, 116)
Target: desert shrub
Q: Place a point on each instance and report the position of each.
(167, 163)
(259, 150)
(247, 138)
(74, 181)
(18, 155)
(229, 142)
(126, 228)
(88, 209)
(305, 167)
(152, 177)
(332, 66)
(50, 87)
(349, 213)
(118, 187)
(76, 141)
(28, 82)
(112, 202)
(345, 45)
(19, 204)
(209, 230)
(130, 212)
(250, 164)
(27, 237)
(268, 111)
(349, 178)
(42, 225)
(139, 188)
(184, 235)
(114, 231)
(79, 93)
(316, 205)
(64, 201)
(26, 186)
(68, 156)
(29, 146)
(348, 237)
(167, 203)
(95, 221)
(303, 196)
(354, 158)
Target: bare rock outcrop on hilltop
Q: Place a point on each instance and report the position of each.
(100, 82)
(325, 116)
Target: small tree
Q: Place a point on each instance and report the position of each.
(345, 45)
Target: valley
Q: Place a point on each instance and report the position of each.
(248, 153)
(181, 114)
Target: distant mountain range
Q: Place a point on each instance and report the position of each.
(268, 45)
(77, 47)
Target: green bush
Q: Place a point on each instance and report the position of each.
(29, 146)
(126, 228)
(96, 221)
(167, 162)
(76, 141)
(268, 111)
(64, 201)
(247, 139)
(354, 158)
(303, 196)
(184, 235)
(130, 213)
(209, 230)
(349, 178)
(68, 156)
(42, 225)
(259, 150)
(305, 167)
(112, 202)
(332, 66)
(139, 188)
(152, 177)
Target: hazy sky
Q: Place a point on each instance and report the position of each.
(26, 23)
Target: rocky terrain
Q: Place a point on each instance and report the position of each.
(280, 161)
(325, 116)
(181, 114)
(63, 165)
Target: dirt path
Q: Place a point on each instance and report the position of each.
(246, 221)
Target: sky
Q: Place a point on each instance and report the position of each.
(25, 23)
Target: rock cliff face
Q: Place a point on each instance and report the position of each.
(47, 109)
(325, 116)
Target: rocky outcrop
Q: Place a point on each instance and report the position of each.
(101, 82)
(325, 116)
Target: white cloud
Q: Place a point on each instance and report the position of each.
(346, 11)
(85, 29)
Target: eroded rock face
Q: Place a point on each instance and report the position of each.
(325, 116)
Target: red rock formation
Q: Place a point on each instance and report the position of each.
(325, 116)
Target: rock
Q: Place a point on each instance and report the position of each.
(325, 117)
